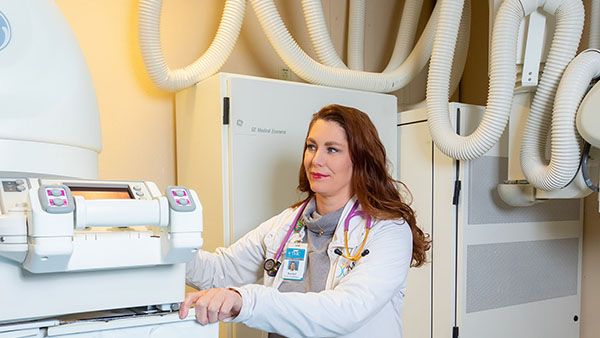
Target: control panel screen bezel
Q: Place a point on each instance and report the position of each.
(101, 193)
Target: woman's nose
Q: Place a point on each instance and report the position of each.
(318, 158)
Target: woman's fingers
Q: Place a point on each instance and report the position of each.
(237, 304)
(232, 305)
(190, 299)
(212, 305)
(225, 310)
(202, 306)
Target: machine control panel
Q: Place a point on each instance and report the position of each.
(56, 199)
(17, 185)
(180, 199)
(102, 189)
(13, 194)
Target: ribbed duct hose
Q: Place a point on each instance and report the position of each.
(563, 166)
(319, 34)
(311, 71)
(502, 74)
(460, 56)
(356, 34)
(565, 145)
(323, 46)
(594, 25)
(208, 64)
(406, 33)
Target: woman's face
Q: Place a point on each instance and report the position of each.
(327, 161)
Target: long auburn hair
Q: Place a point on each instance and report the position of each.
(378, 193)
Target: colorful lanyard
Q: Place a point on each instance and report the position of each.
(296, 225)
(272, 264)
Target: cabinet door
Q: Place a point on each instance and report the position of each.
(415, 150)
(429, 308)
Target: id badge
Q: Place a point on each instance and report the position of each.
(295, 261)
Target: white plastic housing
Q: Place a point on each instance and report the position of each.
(56, 242)
(588, 119)
(48, 262)
(50, 122)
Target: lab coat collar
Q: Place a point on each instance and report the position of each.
(356, 229)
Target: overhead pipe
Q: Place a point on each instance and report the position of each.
(328, 56)
(357, 14)
(460, 59)
(566, 143)
(314, 72)
(208, 64)
(594, 34)
(502, 70)
(462, 44)
(319, 34)
(406, 33)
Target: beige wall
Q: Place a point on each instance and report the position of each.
(138, 119)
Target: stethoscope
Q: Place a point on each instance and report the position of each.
(272, 264)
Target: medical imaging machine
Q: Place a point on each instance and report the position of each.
(78, 256)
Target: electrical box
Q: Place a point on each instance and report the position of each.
(240, 141)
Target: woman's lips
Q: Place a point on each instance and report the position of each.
(317, 175)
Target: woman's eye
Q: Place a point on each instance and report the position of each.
(311, 147)
(332, 150)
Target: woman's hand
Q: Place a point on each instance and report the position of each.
(212, 305)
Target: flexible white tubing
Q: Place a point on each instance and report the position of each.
(313, 72)
(594, 24)
(406, 33)
(208, 64)
(356, 34)
(565, 146)
(563, 166)
(323, 46)
(460, 59)
(502, 73)
(319, 34)
(462, 48)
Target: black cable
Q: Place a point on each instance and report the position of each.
(584, 169)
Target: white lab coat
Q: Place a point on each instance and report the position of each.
(365, 301)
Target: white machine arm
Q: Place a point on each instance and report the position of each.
(86, 225)
(107, 213)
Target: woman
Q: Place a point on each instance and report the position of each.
(354, 234)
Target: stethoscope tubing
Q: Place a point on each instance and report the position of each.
(354, 213)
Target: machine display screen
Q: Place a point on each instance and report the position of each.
(101, 193)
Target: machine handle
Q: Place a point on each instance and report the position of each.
(120, 213)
